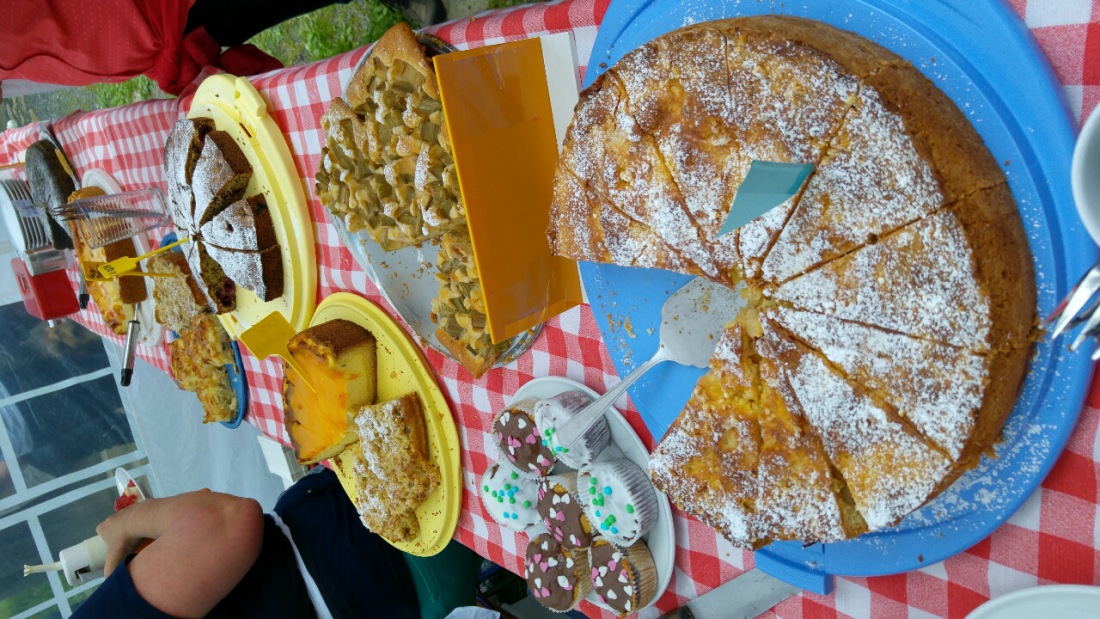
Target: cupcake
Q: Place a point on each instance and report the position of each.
(624, 578)
(562, 513)
(510, 498)
(552, 413)
(619, 500)
(518, 439)
(557, 576)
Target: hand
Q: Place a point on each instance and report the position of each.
(121, 543)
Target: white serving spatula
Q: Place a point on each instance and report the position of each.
(692, 320)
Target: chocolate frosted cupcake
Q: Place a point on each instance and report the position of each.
(562, 513)
(552, 413)
(624, 578)
(557, 576)
(518, 439)
(619, 500)
(509, 497)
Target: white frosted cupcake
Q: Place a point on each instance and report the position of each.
(510, 498)
(552, 413)
(619, 500)
(517, 438)
(557, 576)
(624, 578)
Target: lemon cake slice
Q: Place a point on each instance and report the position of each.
(339, 359)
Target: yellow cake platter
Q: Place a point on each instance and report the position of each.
(402, 369)
(238, 109)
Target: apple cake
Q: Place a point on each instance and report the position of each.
(891, 301)
(387, 168)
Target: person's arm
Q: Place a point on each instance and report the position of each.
(203, 544)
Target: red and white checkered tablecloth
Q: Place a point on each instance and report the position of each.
(1053, 538)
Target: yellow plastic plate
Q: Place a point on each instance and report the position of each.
(238, 109)
(402, 369)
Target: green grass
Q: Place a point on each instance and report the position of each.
(327, 32)
(121, 93)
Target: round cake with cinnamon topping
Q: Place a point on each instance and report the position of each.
(891, 300)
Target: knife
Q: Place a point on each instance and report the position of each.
(744, 597)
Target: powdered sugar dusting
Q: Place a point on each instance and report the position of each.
(936, 387)
(918, 281)
(795, 499)
(872, 181)
(889, 471)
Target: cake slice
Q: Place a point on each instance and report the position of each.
(394, 442)
(612, 155)
(181, 152)
(707, 461)
(373, 502)
(178, 298)
(800, 496)
(919, 280)
(588, 227)
(873, 180)
(260, 272)
(938, 388)
(199, 359)
(220, 291)
(244, 225)
(888, 467)
(221, 175)
(339, 359)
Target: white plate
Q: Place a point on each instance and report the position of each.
(1061, 601)
(661, 539)
(151, 332)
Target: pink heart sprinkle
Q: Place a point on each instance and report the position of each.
(611, 564)
(595, 573)
(537, 557)
(560, 516)
(531, 439)
(545, 592)
(544, 566)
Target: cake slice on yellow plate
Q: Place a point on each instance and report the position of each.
(339, 358)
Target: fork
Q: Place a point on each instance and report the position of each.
(1079, 306)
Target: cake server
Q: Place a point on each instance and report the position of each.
(692, 320)
(744, 597)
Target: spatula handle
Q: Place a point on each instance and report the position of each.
(577, 426)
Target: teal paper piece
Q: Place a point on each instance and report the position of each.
(767, 185)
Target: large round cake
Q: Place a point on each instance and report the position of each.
(891, 301)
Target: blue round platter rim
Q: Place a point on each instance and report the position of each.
(235, 370)
(1027, 119)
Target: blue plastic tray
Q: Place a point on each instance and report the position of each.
(983, 57)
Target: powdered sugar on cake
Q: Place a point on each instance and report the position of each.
(936, 387)
(872, 181)
(918, 281)
(889, 470)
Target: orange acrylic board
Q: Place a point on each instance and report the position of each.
(502, 128)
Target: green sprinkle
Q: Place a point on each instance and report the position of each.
(566, 450)
(511, 500)
(629, 508)
(500, 499)
(514, 476)
(591, 491)
(527, 503)
(494, 493)
(507, 486)
(486, 488)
